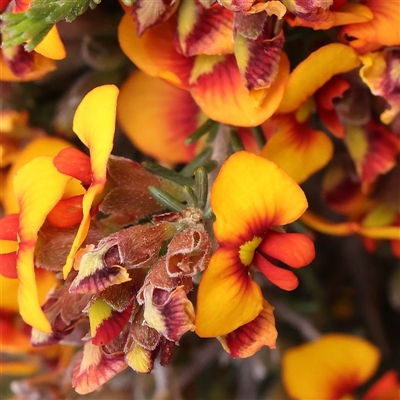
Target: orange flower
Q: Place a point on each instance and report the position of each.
(94, 124)
(251, 198)
(39, 187)
(329, 368)
(228, 88)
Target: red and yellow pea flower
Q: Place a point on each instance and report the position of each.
(262, 197)
(215, 72)
(333, 367)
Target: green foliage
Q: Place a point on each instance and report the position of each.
(32, 26)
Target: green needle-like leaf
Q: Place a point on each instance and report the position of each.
(236, 142)
(200, 131)
(201, 186)
(197, 162)
(33, 25)
(166, 199)
(168, 174)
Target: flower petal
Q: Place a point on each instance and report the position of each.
(52, 46)
(140, 359)
(94, 124)
(295, 144)
(8, 262)
(248, 339)
(325, 97)
(17, 65)
(373, 149)
(94, 274)
(315, 71)
(379, 73)
(94, 368)
(106, 323)
(383, 29)
(154, 52)
(43, 146)
(280, 277)
(251, 194)
(381, 387)
(8, 245)
(329, 368)
(73, 162)
(218, 89)
(325, 19)
(67, 212)
(31, 182)
(293, 249)
(9, 295)
(204, 30)
(258, 60)
(148, 14)
(227, 298)
(167, 115)
(170, 313)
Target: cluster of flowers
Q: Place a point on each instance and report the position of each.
(100, 259)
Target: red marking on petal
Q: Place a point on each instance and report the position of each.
(222, 96)
(20, 61)
(378, 155)
(262, 64)
(211, 32)
(9, 227)
(282, 278)
(325, 104)
(249, 338)
(294, 249)
(154, 52)
(94, 368)
(67, 212)
(111, 327)
(74, 163)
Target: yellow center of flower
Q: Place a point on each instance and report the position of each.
(246, 251)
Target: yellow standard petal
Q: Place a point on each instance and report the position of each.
(42, 146)
(94, 124)
(329, 368)
(294, 145)
(315, 71)
(251, 194)
(52, 46)
(38, 187)
(228, 298)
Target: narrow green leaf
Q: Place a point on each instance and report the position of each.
(197, 162)
(236, 142)
(166, 199)
(200, 131)
(210, 165)
(201, 186)
(168, 174)
(208, 214)
(213, 133)
(191, 197)
(37, 39)
(258, 135)
(32, 25)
